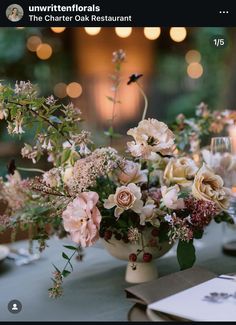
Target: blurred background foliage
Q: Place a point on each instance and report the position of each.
(74, 54)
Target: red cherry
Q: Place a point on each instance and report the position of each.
(132, 257)
(147, 257)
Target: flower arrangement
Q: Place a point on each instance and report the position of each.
(190, 132)
(92, 192)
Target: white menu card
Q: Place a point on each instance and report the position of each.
(213, 300)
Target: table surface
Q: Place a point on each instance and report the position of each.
(95, 290)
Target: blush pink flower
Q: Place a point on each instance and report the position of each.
(151, 137)
(82, 219)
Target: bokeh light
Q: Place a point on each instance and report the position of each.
(60, 90)
(92, 30)
(44, 51)
(74, 90)
(33, 42)
(178, 34)
(192, 56)
(195, 70)
(123, 32)
(152, 33)
(58, 29)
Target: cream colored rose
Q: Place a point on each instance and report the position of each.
(180, 171)
(125, 198)
(132, 173)
(150, 137)
(170, 197)
(209, 187)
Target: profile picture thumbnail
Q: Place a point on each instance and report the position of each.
(14, 12)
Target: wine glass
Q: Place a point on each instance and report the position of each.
(223, 162)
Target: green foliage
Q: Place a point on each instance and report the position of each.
(198, 233)
(224, 216)
(54, 124)
(186, 254)
(73, 248)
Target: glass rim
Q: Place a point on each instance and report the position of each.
(223, 138)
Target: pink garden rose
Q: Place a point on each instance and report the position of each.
(82, 218)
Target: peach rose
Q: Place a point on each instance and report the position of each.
(131, 173)
(209, 187)
(150, 137)
(180, 171)
(82, 218)
(125, 198)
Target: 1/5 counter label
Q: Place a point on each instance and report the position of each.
(218, 41)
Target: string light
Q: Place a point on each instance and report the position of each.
(178, 34)
(33, 42)
(195, 70)
(60, 90)
(74, 90)
(152, 33)
(192, 56)
(123, 32)
(44, 51)
(92, 30)
(58, 29)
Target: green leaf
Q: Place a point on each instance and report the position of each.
(56, 268)
(65, 155)
(65, 273)
(224, 217)
(186, 254)
(184, 194)
(70, 247)
(65, 256)
(122, 224)
(163, 232)
(198, 233)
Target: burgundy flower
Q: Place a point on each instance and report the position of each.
(201, 211)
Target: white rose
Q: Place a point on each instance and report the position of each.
(170, 197)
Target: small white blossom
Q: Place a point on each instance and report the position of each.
(168, 218)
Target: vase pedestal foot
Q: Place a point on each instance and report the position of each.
(141, 272)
